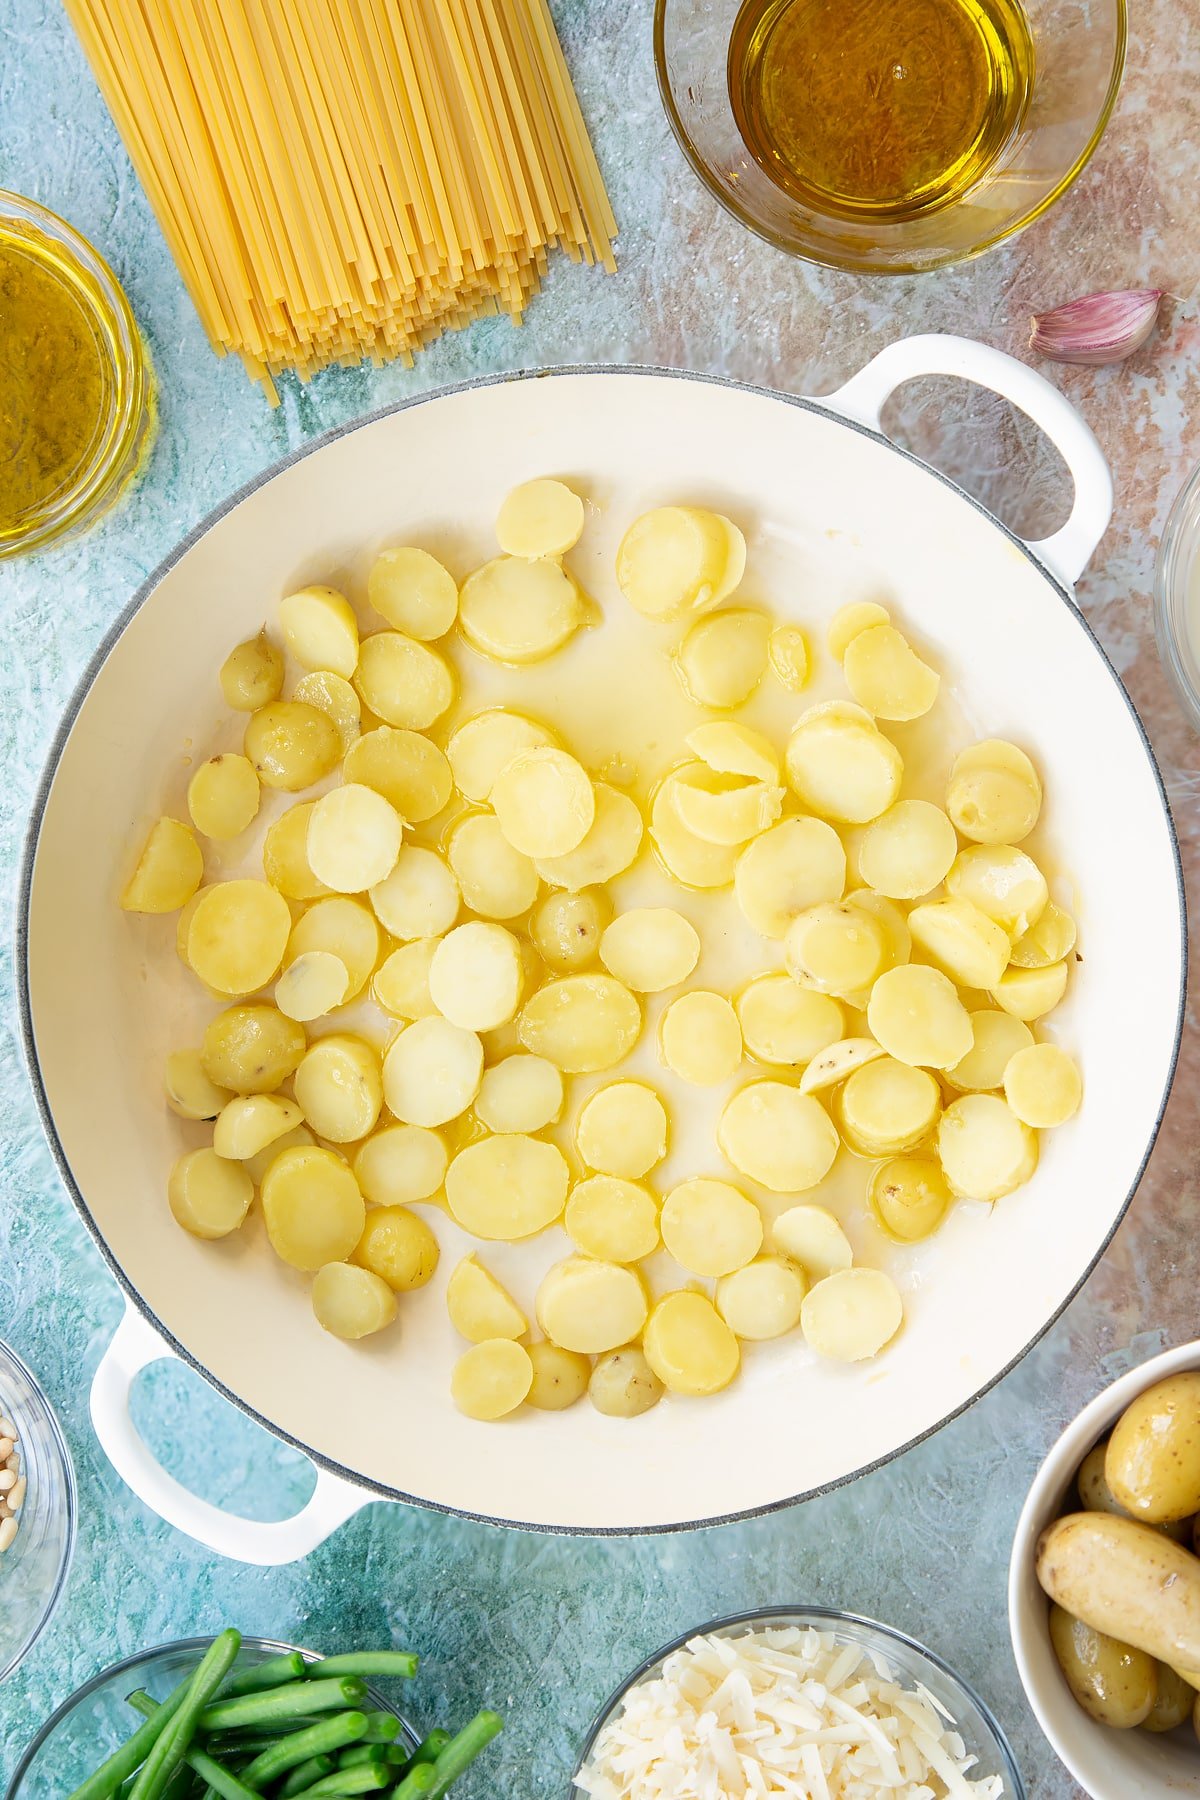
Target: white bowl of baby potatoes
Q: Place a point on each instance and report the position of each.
(1104, 1586)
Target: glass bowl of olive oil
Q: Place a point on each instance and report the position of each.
(76, 389)
(888, 136)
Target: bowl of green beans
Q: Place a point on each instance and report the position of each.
(233, 1718)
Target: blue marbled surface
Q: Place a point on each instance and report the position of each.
(540, 1627)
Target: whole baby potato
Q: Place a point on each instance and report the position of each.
(1114, 1683)
(1125, 1580)
(1174, 1704)
(1152, 1463)
(1096, 1495)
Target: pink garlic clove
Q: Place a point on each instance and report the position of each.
(1098, 328)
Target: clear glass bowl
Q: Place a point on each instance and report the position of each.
(125, 422)
(1177, 598)
(33, 1570)
(97, 1719)
(1079, 56)
(909, 1661)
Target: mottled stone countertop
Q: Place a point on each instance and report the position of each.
(547, 1625)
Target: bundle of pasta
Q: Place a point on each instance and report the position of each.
(339, 179)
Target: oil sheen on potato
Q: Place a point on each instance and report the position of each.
(883, 109)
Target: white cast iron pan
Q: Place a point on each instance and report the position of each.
(830, 508)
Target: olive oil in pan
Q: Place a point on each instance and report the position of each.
(883, 109)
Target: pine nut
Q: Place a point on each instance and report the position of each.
(7, 1428)
(16, 1496)
(8, 1531)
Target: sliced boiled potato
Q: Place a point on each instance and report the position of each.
(787, 651)
(491, 1379)
(796, 864)
(256, 1167)
(837, 1062)
(623, 1385)
(777, 1136)
(480, 1307)
(402, 681)
(730, 748)
(312, 1208)
(285, 855)
(1031, 993)
(763, 1299)
(238, 935)
(583, 1024)
(487, 743)
(723, 657)
(887, 1107)
(726, 810)
(849, 621)
(291, 745)
(432, 1071)
(476, 975)
(169, 870)
(606, 849)
(893, 921)
(1003, 882)
(886, 676)
(251, 1049)
(622, 1129)
(963, 942)
(320, 630)
(354, 838)
(840, 766)
(852, 1315)
(589, 1306)
(400, 1164)
(688, 1345)
(650, 948)
(249, 1122)
(710, 1227)
(333, 695)
(346, 929)
(339, 1085)
(208, 1195)
(678, 560)
(190, 1092)
(520, 612)
(398, 1246)
(812, 1237)
(1043, 1086)
(613, 1219)
(783, 1022)
(419, 898)
(350, 1302)
(909, 1197)
(223, 796)
(252, 674)
(522, 1093)
(507, 1187)
(411, 773)
(699, 1038)
(540, 518)
(560, 1377)
(994, 794)
(985, 1149)
(835, 948)
(1050, 940)
(916, 1014)
(567, 929)
(691, 860)
(997, 1037)
(400, 984)
(496, 880)
(544, 801)
(413, 592)
(908, 850)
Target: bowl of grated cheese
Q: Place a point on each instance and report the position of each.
(810, 1704)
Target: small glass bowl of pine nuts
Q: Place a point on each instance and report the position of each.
(37, 1510)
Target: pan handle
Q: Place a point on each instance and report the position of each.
(134, 1346)
(1066, 553)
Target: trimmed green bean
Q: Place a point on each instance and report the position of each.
(382, 1728)
(305, 1775)
(364, 1779)
(316, 1740)
(292, 1701)
(270, 1674)
(462, 1750)
(174, 1738)
(123, 1764)
(431, 1747)
(219, 1781)
(386, 1755)
(401, 1663)
(418, 1782)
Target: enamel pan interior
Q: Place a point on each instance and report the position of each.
(831, 511)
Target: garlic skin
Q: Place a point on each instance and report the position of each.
(1098, 328)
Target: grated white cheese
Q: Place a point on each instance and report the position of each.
(784, 1714)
